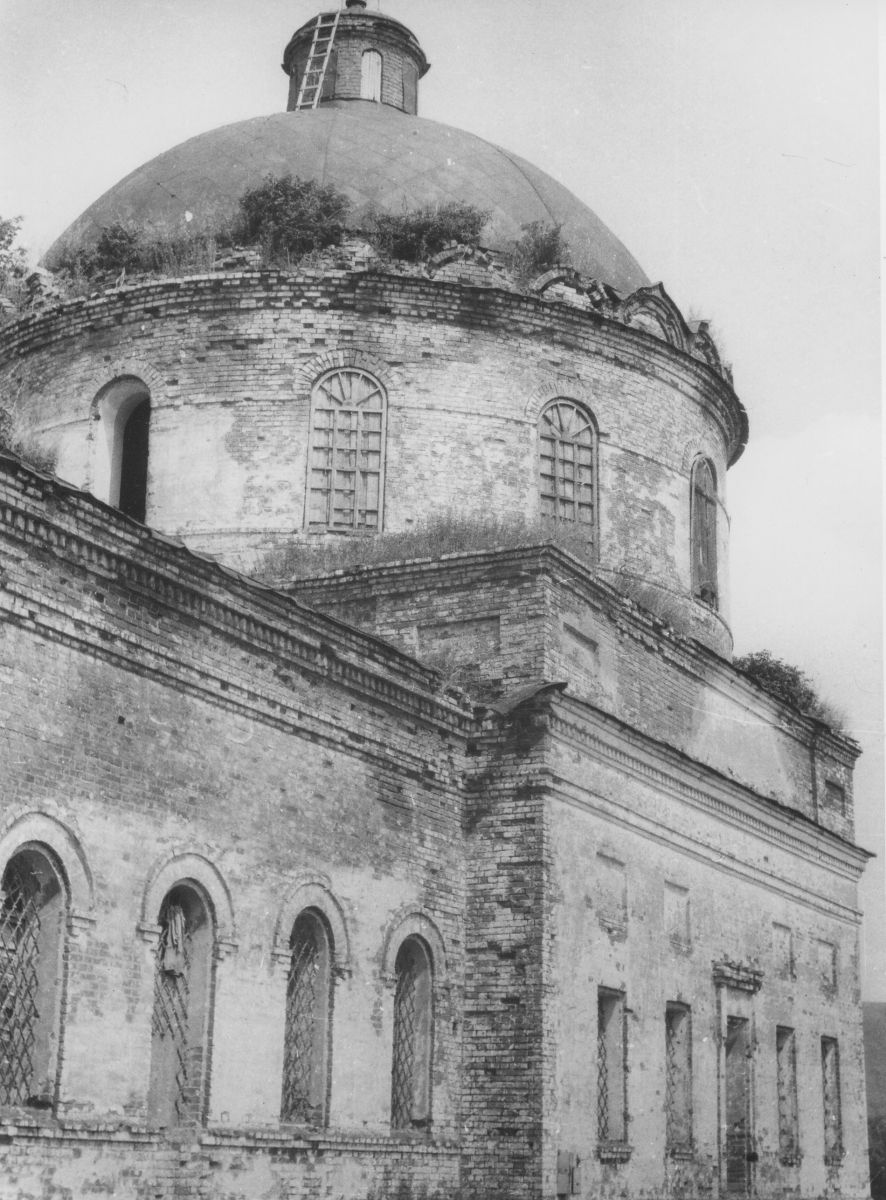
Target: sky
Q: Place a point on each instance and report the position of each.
(732, 145)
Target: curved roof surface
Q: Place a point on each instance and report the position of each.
(374, 154)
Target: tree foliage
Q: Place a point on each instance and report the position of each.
(13, 261)
(786, 683)
(289, 217)
(419, 233)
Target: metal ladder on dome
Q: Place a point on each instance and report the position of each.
(318, 60)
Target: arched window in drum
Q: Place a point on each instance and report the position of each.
(347, 452)
(703, 532)
(568, 466)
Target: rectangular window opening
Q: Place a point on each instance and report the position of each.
(678, 1078)
(611, 1067)
(788, 1119)
(833, 1113)
(738, 1106)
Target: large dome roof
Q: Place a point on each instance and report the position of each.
(378, 156)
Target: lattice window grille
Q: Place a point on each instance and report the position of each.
(567, 466)
(405, 1045)
(603, 1085)
(303, 999)
(346, 473)
(169, 1022)
(786, 1070)
(678, 1079)
(19, 982)
(833, 1117)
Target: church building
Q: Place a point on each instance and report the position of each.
(446, 874)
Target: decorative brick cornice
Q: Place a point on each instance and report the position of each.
(737, 976)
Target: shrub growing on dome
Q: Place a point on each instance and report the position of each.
(418, 233)
(289, 217)
(787, 683)
(540, 248)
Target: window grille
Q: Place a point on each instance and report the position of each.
(567, 466)
(411, 1070)
(180, 1015)
(346, 469)
(833, 1115)
(678, 1078)
(169, 1023)
(308, 999)
(788, 1119)
(29, 941)
(611, 1067)
(703, 537)
(738, 1100)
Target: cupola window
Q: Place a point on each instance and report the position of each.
(346, 464)
(370, 75)
(121, 467)
(568, 466)
(703, 535)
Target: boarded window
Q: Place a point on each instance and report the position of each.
(346, 468)
(370, 75)
(783, 950)
(568, 466)
(31, 961)
(703, 535)
(833, 1114)
(678, 1078)
(738, 1106)
(676, 915)
(181, 1013)
(410, 87)
(612, 894)
(413, 1037)
(826, 959)
(308, 1013)
(612, 1122)
(788, 1119)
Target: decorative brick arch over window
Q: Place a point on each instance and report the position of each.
(347, 448)
(703, 532)
(181, 1015)
(567, 465)
(413, 1046)
(307, 1040)
(34, 906)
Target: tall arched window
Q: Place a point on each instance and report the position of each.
(32, 932)
(306, 1049)
(181, 1016)
(568, 466)
(413, 1037)
(121, 468)
(703, 532)
(370, 75)
(346, 465)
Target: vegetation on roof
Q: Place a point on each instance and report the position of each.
(788, 684)
(446, 533)
(418, 233)
(540, 247)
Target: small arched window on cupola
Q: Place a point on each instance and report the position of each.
(121, 471)
(568, 467)
(413, 1036)
(347, 452)
(370, 75)
(703, 532)
(33, 912)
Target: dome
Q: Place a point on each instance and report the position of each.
(379, 157)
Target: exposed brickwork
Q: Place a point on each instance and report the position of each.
(230, 360)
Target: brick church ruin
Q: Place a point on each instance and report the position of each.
(478, 873)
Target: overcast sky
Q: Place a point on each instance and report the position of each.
(730, 144)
